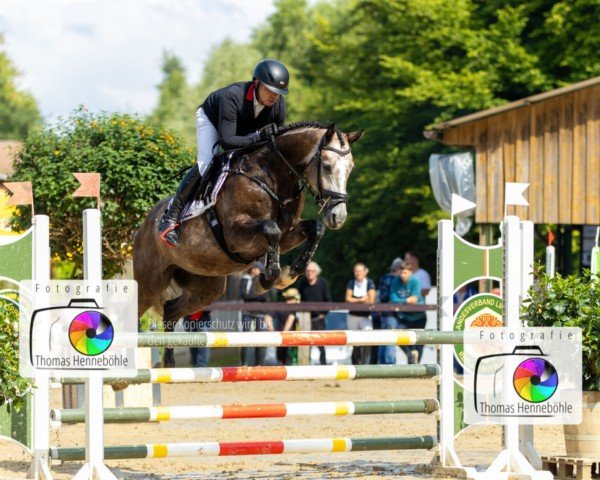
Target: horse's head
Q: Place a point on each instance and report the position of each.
(328, 172)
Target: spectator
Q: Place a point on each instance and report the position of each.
(198, 322)
(252, 321)
(389, 320)
(285, 322)
(406, 290)
(360, 290)
(424, 279)
(316, 289)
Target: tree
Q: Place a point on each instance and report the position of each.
(395, 67)
(175, 109)
(18, 110)
(227, 63)
(134, 159)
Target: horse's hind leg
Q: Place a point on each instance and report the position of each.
(198, 292)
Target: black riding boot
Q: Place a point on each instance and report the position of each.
(170, 219)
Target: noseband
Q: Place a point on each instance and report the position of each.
(323, 197)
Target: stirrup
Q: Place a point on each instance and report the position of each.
(163, 235)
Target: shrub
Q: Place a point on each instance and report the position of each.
(569, 301)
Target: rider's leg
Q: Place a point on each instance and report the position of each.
(170, 219)
(206, 137)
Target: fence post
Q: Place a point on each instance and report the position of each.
(305, 325)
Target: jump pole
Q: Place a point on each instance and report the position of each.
(213, 449)
(280, 373)
(237, 411)
(298, 339)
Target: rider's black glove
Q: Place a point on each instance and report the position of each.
(268, 131)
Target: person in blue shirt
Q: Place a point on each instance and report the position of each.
(388, 320)
(406, 290)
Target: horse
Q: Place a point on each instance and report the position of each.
(259, 207)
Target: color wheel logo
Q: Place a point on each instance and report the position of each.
(91, 333)
(535, 380)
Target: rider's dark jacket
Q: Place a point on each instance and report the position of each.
(231, 111)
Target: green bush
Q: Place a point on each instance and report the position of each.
(136, 161)
(569, 301)
(13, 387)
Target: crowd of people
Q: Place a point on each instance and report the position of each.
(404, 283)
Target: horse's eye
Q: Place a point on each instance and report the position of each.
(327, 168)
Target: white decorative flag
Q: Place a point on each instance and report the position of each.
(513, 194)
(460, 204)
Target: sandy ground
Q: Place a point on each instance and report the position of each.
(476, 446)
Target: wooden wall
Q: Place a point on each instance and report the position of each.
(554, 145)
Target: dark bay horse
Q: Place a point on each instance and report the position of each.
(259, 207)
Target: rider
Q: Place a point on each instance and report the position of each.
(235, 116)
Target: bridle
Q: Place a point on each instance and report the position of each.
(323, 196)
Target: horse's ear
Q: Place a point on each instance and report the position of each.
(355, 136)
(330, 132)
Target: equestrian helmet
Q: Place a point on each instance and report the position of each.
(272, 74)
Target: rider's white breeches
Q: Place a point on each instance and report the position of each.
(206, 138)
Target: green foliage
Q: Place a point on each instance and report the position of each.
(227, 63)
(12, 386)
(136, 162)
(175, 109)
(394, 67)
(18, 110)
(569, 301)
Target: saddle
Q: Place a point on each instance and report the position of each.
(219, 160)
(206, 195)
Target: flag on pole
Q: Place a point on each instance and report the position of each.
(460, 204)
(90, 186)
(513, 194)
(22, 194)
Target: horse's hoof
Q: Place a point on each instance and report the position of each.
(273, 273)
(285, 279)
(119, 385)
(263, 285)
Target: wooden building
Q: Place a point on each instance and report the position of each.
(550, 140)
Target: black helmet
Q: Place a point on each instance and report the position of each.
(273, 75)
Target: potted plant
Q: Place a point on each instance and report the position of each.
(573, 301)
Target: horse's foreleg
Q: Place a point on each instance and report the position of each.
(314, 232)
(272, 268)
(310, 231)
(259, 231)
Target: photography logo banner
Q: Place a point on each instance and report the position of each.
(531, 374)
(73, 327)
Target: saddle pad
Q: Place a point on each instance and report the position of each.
(198, 207)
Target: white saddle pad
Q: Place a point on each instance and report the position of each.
(198, 207)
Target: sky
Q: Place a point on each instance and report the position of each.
(107, 54)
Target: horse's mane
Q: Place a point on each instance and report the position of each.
(296, 125)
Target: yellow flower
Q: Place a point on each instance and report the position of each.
(56, 152)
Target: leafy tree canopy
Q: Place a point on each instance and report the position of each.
(133, 158)
(393, 67)
(18, 110)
